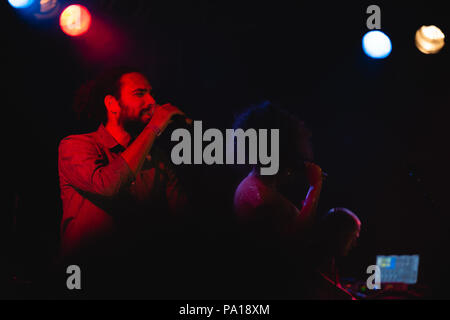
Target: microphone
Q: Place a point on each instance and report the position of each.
(181, 118)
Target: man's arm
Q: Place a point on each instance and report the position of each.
(135, 154)
(309, 208)
(83, 167)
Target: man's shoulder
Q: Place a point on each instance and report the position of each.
(84, 139)
(81, 136)
(251, 192)
(253, 186)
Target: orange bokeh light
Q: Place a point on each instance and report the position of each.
(75, 20)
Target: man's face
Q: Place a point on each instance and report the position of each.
(351, 239)
(136, 102)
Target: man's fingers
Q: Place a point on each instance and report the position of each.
(172, 110)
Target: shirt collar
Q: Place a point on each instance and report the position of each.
(106, 138)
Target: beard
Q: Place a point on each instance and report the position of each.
(133, 125)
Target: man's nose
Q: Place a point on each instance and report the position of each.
(149, 99)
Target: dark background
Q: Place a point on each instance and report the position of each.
(379, 126)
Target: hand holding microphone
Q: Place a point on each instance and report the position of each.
(165, 114)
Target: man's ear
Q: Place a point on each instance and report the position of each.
(111, 104)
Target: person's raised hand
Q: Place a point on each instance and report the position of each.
(313, 173)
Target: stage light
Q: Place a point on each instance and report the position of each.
(376, 44)
(47, 10)
(47, 5)
(429, 39)
(20, 4)
(75, 20)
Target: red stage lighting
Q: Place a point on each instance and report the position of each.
(75, 20)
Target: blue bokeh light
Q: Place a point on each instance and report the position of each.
(376, 44)
(20, 4)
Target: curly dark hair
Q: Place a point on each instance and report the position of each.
(295, 146)
(89, 98)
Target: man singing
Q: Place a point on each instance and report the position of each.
(117, 187)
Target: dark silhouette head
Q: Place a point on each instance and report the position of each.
(294, 142)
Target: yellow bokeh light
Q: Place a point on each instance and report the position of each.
(75, 20)
(429, 39)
